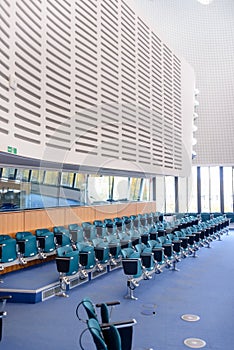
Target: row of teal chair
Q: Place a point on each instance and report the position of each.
(168, 248)
(26, 246)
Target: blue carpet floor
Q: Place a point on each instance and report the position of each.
(204, 287)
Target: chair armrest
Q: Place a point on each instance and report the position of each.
(109, 303)
(119, 323)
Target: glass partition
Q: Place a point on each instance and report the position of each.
(134, 194)
(39, 188)
(145, 195)
(120, 188)
(99, 188)
(37, 176)
(67, 179)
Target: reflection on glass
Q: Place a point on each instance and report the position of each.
(205, 189)
(120, 190)
(37, 176)
(99, 188)
(214, 189)
(44, 189)
(182, 195)
(228, 189)
(160, 194)
(22, 175)
(170, 194)
(145, 190)
(135, 184)
(192, 191)
(80, 180)
(8, 173)
(67, 179)
(51, 178)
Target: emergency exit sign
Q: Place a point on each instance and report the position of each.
(12, 150)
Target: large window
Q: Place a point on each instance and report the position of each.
(145, 196)
(67, 179)
(135, 184)
(80, 181)
(37, 176)
(192, 191)
(22, 174)
(170, 194)
(214, 189)
(47, 188)
(121, 188)
(8, 173)
(51, 178)
(228, 189)
(160, 194)
(99, 188)
(182, 195)
(205, 189)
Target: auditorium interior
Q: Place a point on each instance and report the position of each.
(116, 174)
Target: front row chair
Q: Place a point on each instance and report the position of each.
(45, 239)
(7, 249)
(122, 336)
(111, 341)
(67, 262)
(27, 245)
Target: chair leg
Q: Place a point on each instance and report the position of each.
(64, 282)
(0, 328)
(2, 315)
(131, 285)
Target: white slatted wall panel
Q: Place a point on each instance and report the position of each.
(58, 77)
(86, 78)
(28, 104)
(157, 101)
(5, 35)
(128, 83)
(144, 93)
(95, 85)
(109, 80)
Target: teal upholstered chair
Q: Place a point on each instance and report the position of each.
(7, 249)
(27, 244)
(45, 238)
(67, 260)
(62, 235)
(110, 341)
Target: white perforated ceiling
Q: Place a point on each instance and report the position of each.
(204, 36)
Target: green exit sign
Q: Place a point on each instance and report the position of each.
(12, 150)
